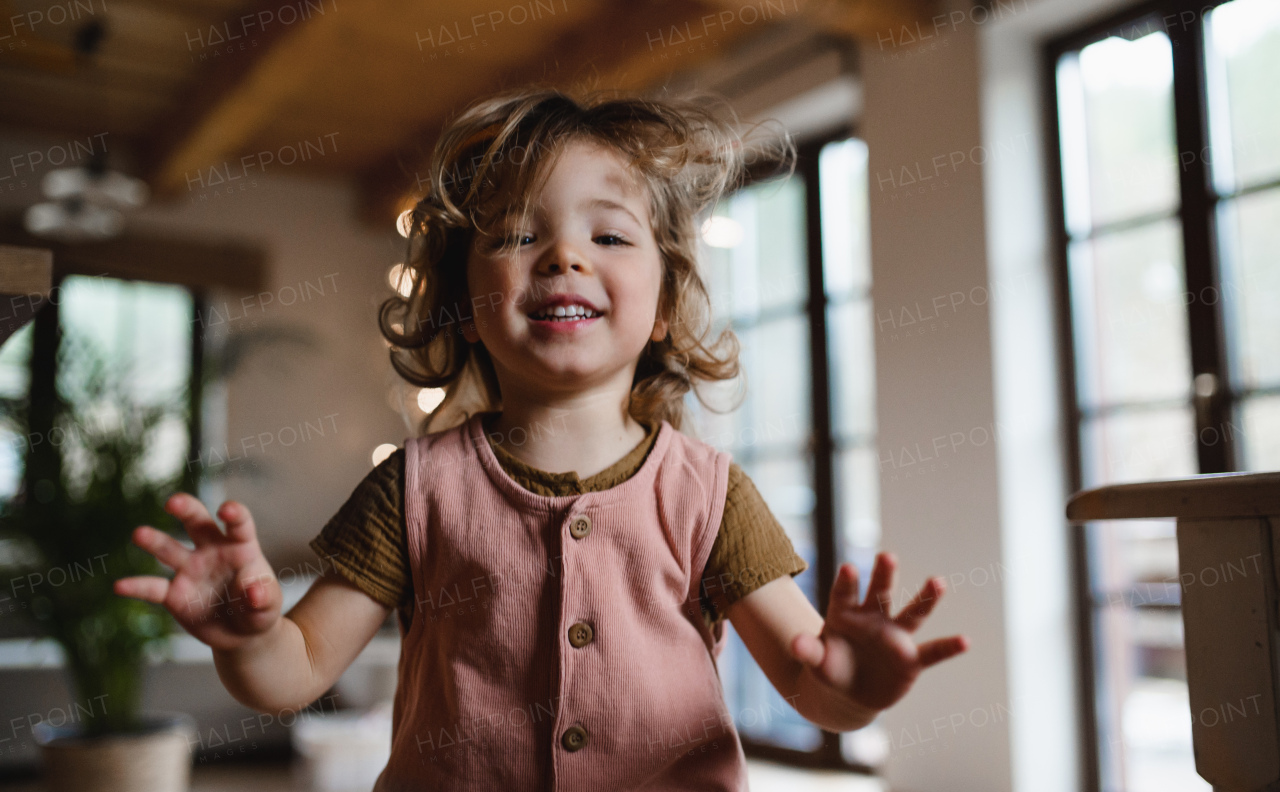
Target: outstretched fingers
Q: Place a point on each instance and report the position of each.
(195, 518)
(165, 548)
(935, 651)
(844, 592)
(239, 522)
(920, 606)
(879, 590)
(143, 587)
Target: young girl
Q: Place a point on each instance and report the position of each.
(560, 555)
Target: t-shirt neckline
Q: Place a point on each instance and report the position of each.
(499, 476)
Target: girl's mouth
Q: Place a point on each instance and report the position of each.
(563, 319)
(563, 313)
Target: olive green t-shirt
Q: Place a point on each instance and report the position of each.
(365, 542)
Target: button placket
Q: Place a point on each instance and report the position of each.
(579, 634)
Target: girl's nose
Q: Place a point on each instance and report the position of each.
(562, 258)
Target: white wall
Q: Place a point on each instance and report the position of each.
(1042, 648)
(938, 471)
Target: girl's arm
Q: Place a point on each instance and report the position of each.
(840, 672)
(225, 593)
(304, 653)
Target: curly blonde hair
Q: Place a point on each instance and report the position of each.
(685, 151)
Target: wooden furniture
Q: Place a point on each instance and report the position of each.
(26, 275)
(1229, 561)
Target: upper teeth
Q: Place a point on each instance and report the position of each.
(565, 312)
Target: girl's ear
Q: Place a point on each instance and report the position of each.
(660, 323)
(469, 331)
(660, 328)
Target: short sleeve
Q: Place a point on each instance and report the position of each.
(365, 541)
(751, 549)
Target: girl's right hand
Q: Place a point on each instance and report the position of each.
(224, 591)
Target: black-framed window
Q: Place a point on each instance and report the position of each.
(144, 331)
(1165, 133)
(788, 265)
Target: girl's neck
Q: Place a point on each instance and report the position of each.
(584, 433)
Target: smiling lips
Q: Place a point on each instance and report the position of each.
(562, 313)
(565, 310)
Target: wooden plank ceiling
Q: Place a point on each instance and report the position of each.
(187, 89)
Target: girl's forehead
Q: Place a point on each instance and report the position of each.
(595, 168)
(580, 156)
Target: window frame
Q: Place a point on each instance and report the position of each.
(823, 445)
(1206, 320)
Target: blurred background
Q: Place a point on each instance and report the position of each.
(1030, 246)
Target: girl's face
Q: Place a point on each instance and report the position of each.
(574, 305)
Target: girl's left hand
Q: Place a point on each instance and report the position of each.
(864, 653)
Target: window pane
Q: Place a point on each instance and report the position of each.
(1261, 418)
(1145, 739)
(1119, 152)
(849, 334)
(15, 355)
(1134, 562)
(786, 484)
(775, 359)
(758, 709)
(15, 377)
(143, 327)
(1130, 321)
(717, 422)
(1143, 699)
(857, 504)
(754, 250)
(778, 220)
(142, 331)
(1250, 238)
(846, 240)
(1138, 445)
(1243, 47)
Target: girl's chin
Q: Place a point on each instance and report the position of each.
(566, 367)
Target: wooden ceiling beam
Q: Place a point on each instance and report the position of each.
(868, 20)
(237, 94)
(632, 57)
(139, 255)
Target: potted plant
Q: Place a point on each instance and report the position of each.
(91, 475)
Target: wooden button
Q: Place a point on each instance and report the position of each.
(580, 635)
(580, 527)
(574, 738)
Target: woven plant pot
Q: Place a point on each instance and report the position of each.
(157, 758)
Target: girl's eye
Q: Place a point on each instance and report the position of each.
(611, 240)
(506, 239)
